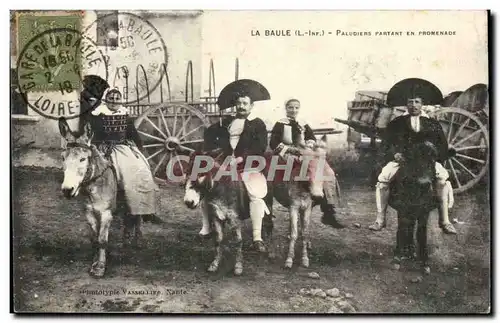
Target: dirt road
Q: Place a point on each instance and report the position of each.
(168, 273)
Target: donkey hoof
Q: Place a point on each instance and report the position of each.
(238, 269)
(213, 267)
(426, 270)
(288, 263)
(97, 269)
(305, 262)
(271, 255)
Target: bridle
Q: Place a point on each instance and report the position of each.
(89, 177)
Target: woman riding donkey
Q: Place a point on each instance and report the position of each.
(288, 137)
(242, 136)
(402, 135)
(116, 137)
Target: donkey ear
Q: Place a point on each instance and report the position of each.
(64, 129)
(324, 139)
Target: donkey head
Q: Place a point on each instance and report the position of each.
(76, 157)
(199, 183)
(316, 154)
(414, 187)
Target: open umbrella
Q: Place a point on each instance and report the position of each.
(95, 85)
(410, 88)
(245, 87)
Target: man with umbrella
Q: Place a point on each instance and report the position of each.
(241, 136)
(403, 133)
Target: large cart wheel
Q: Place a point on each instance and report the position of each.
(468, 135)
(169, 130)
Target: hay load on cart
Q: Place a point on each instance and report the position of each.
(464, 116)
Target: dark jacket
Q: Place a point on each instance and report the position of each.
(253, 139)
(277, 135)
(400, 137)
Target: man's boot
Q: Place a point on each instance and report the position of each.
(443, 197)
(257, 211)
(327, 204)
(329, 215)
(382, 196)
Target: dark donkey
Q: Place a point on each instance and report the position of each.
(413, 197)
(226, 202)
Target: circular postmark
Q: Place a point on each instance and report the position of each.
(51, 65)
(136, 53)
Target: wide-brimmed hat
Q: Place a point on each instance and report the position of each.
(411, 88)
(245, 87)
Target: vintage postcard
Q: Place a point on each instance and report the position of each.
(203, 161)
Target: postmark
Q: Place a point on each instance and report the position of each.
(60, 57)
(135, 51)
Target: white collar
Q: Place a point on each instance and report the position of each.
(250, 117)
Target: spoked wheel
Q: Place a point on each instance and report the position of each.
(169, 130)
(468, 135)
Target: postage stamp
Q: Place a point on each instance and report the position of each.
(136, 53)
(57, 58)
(331, 162)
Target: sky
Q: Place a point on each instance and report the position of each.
(324, 72)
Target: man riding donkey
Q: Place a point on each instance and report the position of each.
(288, 137)
(403, 133)
(242, 136)
(116, 137)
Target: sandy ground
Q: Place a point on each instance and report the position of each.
(168, 272)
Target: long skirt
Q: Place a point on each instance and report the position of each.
(135, 180)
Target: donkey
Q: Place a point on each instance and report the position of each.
(413, 197)
(300, 196)
(86, 171)
(227, 203)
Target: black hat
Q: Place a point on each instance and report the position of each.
(411, 88)
(95, 85)
(245, 87)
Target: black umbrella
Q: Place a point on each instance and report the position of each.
(95, 85)
(410, 88)
(245, 87)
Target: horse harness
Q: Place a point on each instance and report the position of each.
(90, 177)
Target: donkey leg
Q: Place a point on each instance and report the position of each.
(268, 226)
(218, 248)
(423, 249)
(93, 225)
(305, 220)
(137, 230)
(294, 219)
(400, 240)
(410, 236)
(238, 267)
(128, 226)
(99, 266)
